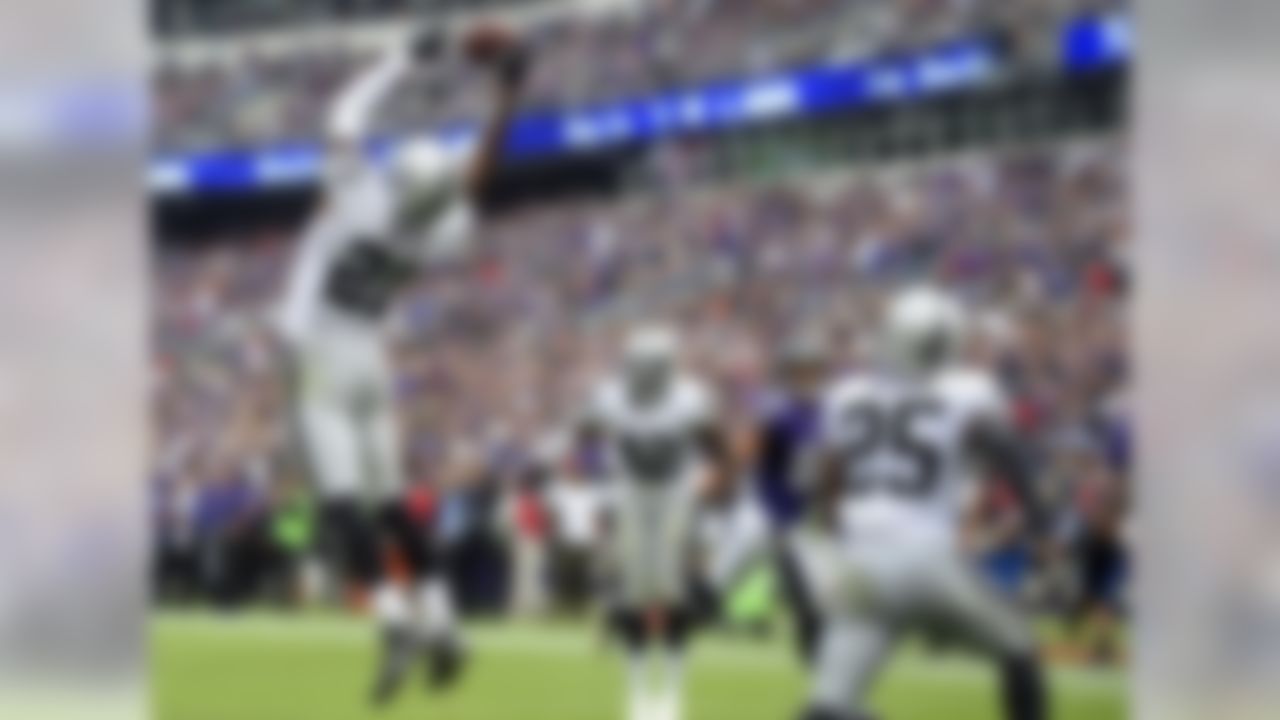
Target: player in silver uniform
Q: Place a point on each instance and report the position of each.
(378, 228)
(898, 444)
(657, 425)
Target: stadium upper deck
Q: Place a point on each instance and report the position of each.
(188, 18)
(261, 88)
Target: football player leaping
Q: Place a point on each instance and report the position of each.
(897, 442)
(380, 226)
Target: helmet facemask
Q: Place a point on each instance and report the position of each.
(924, 329)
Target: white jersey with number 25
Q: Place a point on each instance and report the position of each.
(903, 444)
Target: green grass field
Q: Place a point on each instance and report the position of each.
(259, 667)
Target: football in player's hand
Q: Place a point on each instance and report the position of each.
(488, 41)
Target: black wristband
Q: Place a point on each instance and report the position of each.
(513, 65)
(428, 44)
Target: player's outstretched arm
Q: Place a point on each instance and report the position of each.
(353, 112)
(508, 62)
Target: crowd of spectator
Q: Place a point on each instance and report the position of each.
(494, 359)
(251, 96)
(178, 18)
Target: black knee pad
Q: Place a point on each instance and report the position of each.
(629, 626)
(353, 536)
(680, 625)
(411, 538)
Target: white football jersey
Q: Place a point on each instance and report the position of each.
(653, 442)
(354, 259)
(904, 444)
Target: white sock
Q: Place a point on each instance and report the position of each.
(671, 691)
(435, 610)
(639, 690)
(390, 606)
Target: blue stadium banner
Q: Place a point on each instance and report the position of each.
(1092, 43)
(1087, 44)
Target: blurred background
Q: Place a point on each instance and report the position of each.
(745, 167)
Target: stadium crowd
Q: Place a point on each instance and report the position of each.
(255, 96)
(494, 357)
(178, 18)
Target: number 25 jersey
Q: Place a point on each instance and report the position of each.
(903, 447)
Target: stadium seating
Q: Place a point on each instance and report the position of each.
(495, 358)
(248, 91)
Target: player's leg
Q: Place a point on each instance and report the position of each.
(628, 624)
(801, 605)
(972, 610)
(850, 653)
(678, 625)
(355, 534)
(814, 582)
(635, 554)
(1102, 566)
(332, 456)
(350, 533)
(432, 617)
(333, 434)
(672, 527)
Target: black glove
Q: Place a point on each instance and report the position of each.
(513, 65)
(428, 44)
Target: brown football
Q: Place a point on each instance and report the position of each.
(487, 40)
